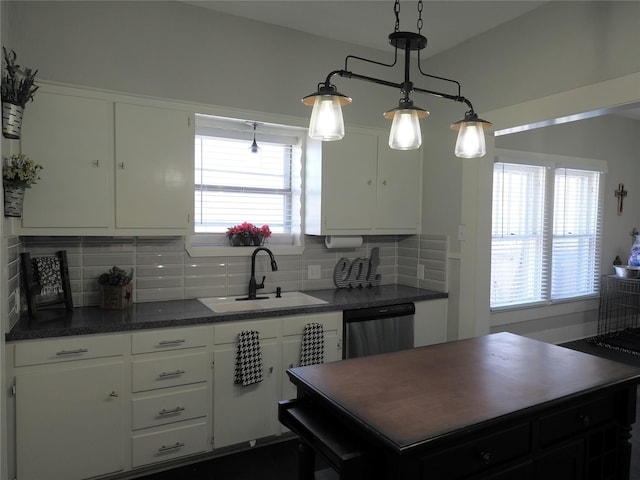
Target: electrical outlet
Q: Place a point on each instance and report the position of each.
(420, 271)
(314, 272)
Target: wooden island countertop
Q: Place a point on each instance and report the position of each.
(429, 400)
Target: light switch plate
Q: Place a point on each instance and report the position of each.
(314, 272)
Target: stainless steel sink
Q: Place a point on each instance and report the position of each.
(288, 299)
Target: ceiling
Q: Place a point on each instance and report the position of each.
(369, 22)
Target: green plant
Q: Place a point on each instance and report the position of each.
(18, 85)
(20, 171)
(116, 277)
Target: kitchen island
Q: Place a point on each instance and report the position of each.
(499, 406)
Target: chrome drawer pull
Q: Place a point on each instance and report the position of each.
(172, 342)
(72, 352)
(172, 374)
(113, 393)
(164, 448)
(164, 411)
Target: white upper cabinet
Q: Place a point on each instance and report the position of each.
(69, 136)
(154, 167)
(113, 165)
(359, 186)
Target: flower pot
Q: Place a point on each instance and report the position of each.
(115, 297)
(258, 239)
(11, 120)
(13, 200)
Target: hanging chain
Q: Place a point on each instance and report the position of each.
(419, 25)
(396, 10)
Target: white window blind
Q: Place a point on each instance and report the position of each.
(518, 255)
(233, 186)
(576, 233)
(546, 232)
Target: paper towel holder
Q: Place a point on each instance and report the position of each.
(343, 241)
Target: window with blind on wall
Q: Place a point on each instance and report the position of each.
(546, 230)
(233, 185)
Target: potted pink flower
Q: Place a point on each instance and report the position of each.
(247, 234)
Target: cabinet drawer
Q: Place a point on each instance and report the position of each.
(294, 325)
(161, 409)
(169, 444)
(71, 348)
(228, 332)
(479, 455)
(575, 420)
(169, 371)
(172, 339)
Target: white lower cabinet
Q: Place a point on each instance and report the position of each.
(292, 334)
(430, 322)
(70, 413)
(245, 413)
(169, 443)
(95, 405)
(170, 394)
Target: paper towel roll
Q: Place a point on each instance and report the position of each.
(331, 241)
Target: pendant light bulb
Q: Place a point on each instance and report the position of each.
(405, 130)
(470, 142)
(326, 121)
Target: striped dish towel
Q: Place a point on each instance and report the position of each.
(312, 349)
(248, 359)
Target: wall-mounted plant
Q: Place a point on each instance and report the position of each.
(18, 172)
(17, 88)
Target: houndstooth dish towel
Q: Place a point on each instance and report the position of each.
(312, 348)
(248, 358)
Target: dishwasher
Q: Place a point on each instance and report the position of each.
(373, 330)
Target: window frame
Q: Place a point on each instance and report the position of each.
(552, 163)
(202, 244)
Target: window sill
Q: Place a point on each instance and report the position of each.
(525, 314)
(196, 252)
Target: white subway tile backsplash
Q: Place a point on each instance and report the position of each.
(164, 271)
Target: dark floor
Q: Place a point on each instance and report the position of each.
(278, 461)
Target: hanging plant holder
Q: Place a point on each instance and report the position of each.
(13, 200)
(11, 120)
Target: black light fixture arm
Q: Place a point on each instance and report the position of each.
(401, 86)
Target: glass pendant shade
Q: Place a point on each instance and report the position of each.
(470, 142)
(326, 119)
(254, 148)
(405, 130)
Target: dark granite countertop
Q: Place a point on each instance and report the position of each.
(56, 322)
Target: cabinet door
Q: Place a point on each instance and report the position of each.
(70, 423)
(68, 136)
(154, 167)
(291, 358)
(241, 414)
(349, 182)
(430, 322)
(398, 189)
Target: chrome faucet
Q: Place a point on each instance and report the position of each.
(253, 285)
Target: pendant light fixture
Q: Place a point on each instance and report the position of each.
(254, 148)
(326, 118)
